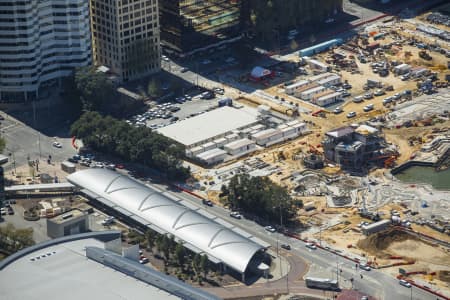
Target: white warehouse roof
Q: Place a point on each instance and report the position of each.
(163, 212)
(210, 125)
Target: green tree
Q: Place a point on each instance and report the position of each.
(159, 243)
(180, 255)
(261, 197)
(95, 89)
(204, 265)
(140, 145)
(13, 240)
(196, 264)
(165, 247)
(150, 236)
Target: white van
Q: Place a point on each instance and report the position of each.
(358, 99)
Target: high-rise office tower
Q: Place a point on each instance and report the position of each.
(187, 25)
(125, 36)
(40, 42)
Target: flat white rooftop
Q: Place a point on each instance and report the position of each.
(209, 125)
(239, 144)
(67, 274)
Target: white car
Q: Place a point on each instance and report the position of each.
(364, 267)
(351, 114)
(235, 215)
(108, 221)
(368, 107)
(404, 283)
(57, 145)
(338, 110)
(143, 260)
(270, 229)
(311, 246)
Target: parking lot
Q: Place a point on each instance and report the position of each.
(163, 114)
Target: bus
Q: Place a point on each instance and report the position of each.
(322, 283)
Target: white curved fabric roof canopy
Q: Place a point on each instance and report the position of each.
(187, 225)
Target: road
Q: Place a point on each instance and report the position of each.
(374, 282)
(25, 143)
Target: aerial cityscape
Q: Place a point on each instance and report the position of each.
(225, 149)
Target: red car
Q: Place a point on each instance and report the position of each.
(120, 166)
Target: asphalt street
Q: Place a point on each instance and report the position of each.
(25, 143)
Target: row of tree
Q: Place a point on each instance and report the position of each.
(13, 240)
(115, 137)
(176, 254)
(261, 197)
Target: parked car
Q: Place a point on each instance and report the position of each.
(235, 215)
(219, 91)
(207, 95)
(270, 228)
(368, 95)
(184, 70)
(347, 86)
(358, 99)
(387, 100)
(108, 221)
(338, 110)
(379, 92)
(351, 114)
(368, 107)
(404, 283)
(346, 94)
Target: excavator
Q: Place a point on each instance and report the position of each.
(389, 159)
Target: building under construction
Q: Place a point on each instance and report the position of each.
(355, 147)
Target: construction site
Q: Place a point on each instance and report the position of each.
(376, 103)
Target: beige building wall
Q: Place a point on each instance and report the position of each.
(125, 35)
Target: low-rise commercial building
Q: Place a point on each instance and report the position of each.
(328, 99)
(309, 94)
(268, 137)
(72, 222)
(221, 122)
(213, 156)
(240, 147)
